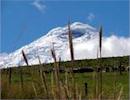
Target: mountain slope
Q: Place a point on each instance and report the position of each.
(85, 41)
(41, 47)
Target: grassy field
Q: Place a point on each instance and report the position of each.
(112, 83)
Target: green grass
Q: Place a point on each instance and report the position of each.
(14, 91)
(110, 92)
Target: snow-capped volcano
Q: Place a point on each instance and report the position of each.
(41, 47)
(85, 41)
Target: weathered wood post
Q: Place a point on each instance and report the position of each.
(86, 88)
(10, 71)
(120, 69)
(21, 78)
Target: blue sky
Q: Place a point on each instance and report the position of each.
(26, 20)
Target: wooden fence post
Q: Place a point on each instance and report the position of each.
(86, 88)
(10, 71)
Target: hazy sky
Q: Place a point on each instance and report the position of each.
(24, 21)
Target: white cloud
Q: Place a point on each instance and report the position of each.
(90, 17)
(112, 46)
(39, 5)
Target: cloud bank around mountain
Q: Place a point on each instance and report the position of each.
(112, 46)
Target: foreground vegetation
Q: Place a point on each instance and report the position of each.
(15, 90)
(29, 85)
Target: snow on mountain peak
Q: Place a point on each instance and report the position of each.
(41, 47)
(79, 25)
(78, 29)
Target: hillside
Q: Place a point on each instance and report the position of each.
(106, 62)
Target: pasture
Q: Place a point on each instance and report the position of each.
(32, 86)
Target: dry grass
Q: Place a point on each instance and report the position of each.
(43, 78)
(25, 58)
(120, 93)
(100, 72)
(33, 84)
